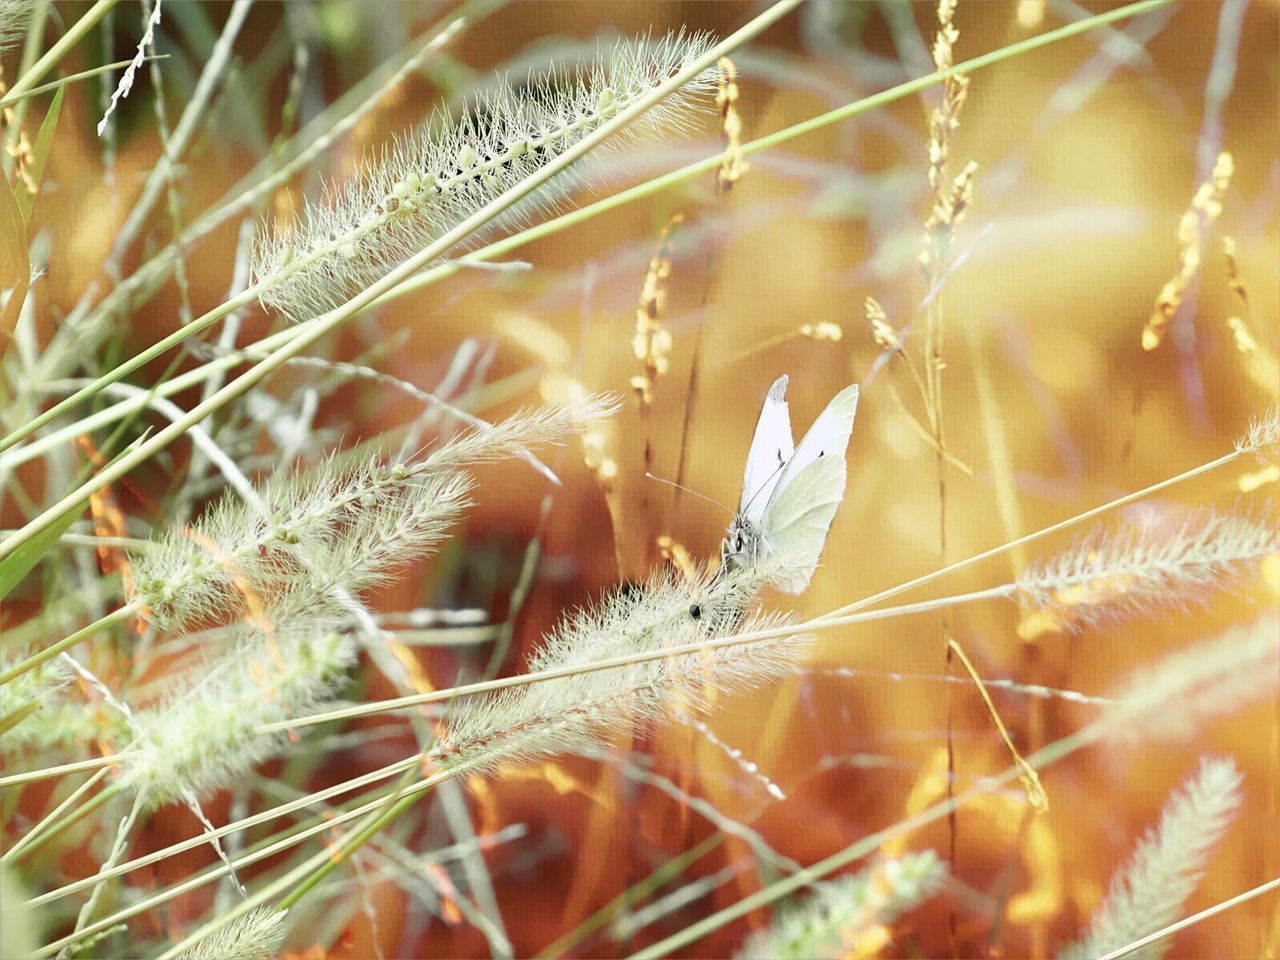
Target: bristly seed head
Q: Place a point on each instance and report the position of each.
(1146, 567)
(569, 713)
(205, 737)
(435, 178)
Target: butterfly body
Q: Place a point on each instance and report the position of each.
(790, 493)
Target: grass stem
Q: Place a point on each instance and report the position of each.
(66, 643)
(57, 52)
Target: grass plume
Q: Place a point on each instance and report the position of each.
(848, 916)
(14, 15)
(204, 737)
(255, 935)
(350, 521)
(1175, 697)
(1263, 436)
(1145, 568)
(436, 177)
(571, 712)
(1150, 891)
(31, 694)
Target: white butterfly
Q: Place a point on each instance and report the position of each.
(790, 494)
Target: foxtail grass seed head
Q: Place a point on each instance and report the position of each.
(348, 521)
(432, 179)
(253, 936)
(530, 427)
(564, 715)
(65, 724)
(203, 739)
(1176, 697)
(849, 917)
(14, 15)
(1112, 574)
(1149, 892)
(1263, 437)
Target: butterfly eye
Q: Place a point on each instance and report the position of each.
(695, 611)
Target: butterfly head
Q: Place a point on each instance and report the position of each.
(741, 544)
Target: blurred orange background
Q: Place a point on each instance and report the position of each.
(1086, 156)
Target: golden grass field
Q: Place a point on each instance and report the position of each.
(1087, 155)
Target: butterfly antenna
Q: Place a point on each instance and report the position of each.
(678, 486)
(764, 486)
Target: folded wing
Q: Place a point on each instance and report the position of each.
(808, 493)
(771, 449)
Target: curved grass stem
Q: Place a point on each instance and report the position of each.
(62, 770)
(684, 650)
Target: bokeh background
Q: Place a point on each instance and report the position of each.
(1088, 153)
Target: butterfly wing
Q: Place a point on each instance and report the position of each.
(798, 519)
(771, 449)
(808, 492)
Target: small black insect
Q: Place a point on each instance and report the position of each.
(695, 611)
